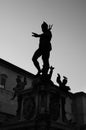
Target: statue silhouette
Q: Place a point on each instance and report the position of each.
(62, 84)
(58, 80)
(19, 86)
(44, 48)
(17, 93)
(51, 72)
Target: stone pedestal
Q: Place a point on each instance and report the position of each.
(43, 107)
(41, 102)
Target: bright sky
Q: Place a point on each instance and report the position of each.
(19, 18)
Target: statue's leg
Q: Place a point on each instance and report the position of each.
(45, 58)
(36, 55)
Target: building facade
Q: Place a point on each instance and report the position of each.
(44, 105)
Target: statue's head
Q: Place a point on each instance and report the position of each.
(44, 26)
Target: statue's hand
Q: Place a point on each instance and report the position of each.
(34, 34)
(50, 27)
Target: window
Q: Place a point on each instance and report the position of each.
(3, 78)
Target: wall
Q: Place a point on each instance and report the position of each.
(6, 104)
(84, 107)
(68, 109)
(11, 78)
(79, 107)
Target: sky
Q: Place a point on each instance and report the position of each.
(19, 18)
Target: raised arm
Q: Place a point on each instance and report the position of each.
(36, 35)
(50, 27)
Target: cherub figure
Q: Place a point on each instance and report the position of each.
(63, 83)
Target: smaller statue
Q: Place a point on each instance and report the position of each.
(19, 87)
(62, 84)
(65, 80)
(50, 72)
(58, 80)
(17, 93)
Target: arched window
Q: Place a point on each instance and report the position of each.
(3, 78)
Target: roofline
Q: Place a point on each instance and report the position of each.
(80, 94)
(15, 68)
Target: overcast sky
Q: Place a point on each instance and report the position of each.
(19, 18)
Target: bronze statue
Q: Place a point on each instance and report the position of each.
(62, 84)
(44, 48)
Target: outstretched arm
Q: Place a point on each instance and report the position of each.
(35, 34)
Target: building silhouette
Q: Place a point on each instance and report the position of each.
(45, 106)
